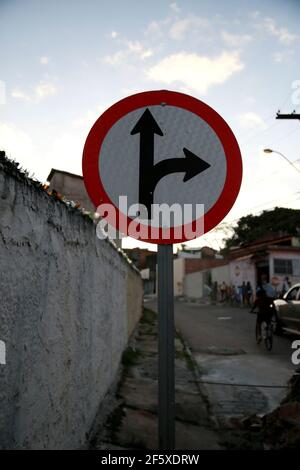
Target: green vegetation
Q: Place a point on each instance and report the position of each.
(149, 317)
(277, 222)
(114, 421)
(130, 356)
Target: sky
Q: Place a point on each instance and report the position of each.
(64, 62)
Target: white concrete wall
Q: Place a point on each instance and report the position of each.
(193, 285)
(242, 271)
(178, 276)
(68, 304)
(280, 277)
(220, 274)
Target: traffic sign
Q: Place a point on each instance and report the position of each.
(163, 147)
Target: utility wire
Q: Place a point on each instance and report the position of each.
(265, 119)
(208, 382)
(288, 134)
(254, 207)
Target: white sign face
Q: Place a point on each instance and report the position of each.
(121, 154)
(162, 148)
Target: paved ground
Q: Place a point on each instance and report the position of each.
(227, 377)
(133, 423)
(223, 344)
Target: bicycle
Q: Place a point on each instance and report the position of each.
(265, 333)
(264, 326)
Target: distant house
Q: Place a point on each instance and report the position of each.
(145, 260)
(71, 186)
(276, 257)
(195, 271)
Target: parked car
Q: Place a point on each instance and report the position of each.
(287, 316)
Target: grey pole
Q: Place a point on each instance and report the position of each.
(166, 382)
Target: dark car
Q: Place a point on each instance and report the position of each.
(287, 317)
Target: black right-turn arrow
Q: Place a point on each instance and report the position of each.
(191, 165)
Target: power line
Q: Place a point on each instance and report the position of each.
(267, 118)
(251, 209)
(285, 101)
(243, 142)
(288, 134)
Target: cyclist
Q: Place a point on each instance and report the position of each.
(265, 308)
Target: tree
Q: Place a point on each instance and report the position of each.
(277, 222)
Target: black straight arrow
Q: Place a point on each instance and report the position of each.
(149, 173)
(147, 127)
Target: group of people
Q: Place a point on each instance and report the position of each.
(244, 293)
(241, 295)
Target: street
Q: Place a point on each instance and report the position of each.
(246, 378)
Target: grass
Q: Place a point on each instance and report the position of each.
(130, 356)
(187, 358)
(185, 355)
(114, 421)
(149, 317)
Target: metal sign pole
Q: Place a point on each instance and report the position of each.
(166, 382)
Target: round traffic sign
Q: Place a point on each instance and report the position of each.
(167, 151)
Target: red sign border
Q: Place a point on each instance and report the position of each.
(97, 134)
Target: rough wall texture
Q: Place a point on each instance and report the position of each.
(193, 285)
(220, 274)
(68, 304)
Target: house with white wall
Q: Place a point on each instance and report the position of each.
(275, 257)
(195, 270)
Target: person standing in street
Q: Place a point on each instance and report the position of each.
(248, 293)
(223, 290)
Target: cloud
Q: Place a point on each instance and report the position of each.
(249, 100)
(157, 29)
(65, 151)
(42, 90)
(20, 95)
(116, 59)
(282, 56)
(44, 60)
(137, 48)
(251, 120)
(62, 151)
(176, 28)
(2, 92)
(283, 34)
(85, 121)
(175, 7)
(194, 71)
(14, 141)
(19, 146)
(179, 28)
(114, 34)
(254, 14)
(134, 49)
(235, 40)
